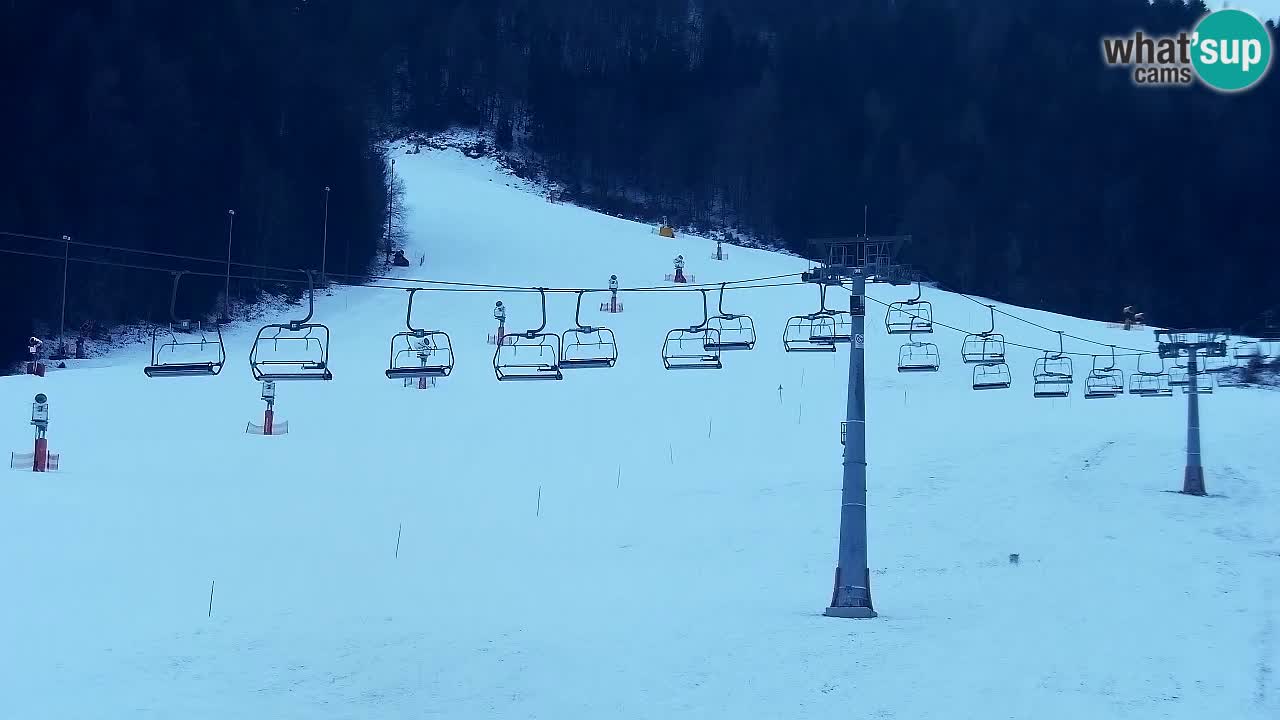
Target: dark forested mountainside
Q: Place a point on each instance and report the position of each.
(141, 124)
(991, 131)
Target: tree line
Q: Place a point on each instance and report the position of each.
(1024, 168)
(142, 124)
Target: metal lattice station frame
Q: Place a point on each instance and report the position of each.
(846, 259)
(1192, 344)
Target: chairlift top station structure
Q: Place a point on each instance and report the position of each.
(876, 256)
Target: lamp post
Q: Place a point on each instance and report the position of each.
(391, 196)
(62, 322)
(226, 288)
(324, 249)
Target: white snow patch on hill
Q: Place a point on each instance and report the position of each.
(685, 542)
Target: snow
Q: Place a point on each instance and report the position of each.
(684, 545)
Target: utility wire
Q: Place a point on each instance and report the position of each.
(196, 273)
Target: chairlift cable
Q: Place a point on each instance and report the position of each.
(1137, 353)
(457, 286)
(748, 284)
(475, 287)
(1033, 323)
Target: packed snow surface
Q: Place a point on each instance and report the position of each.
(629, 542)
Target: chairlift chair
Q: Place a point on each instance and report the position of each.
(530, 355)
(174, 356)
(1149, 383)
(734, 332)
(1180, 377)
(984, 347)
(584, 346)
(841, 326)
(1053, 377)
(1053, 374)
(1246, 350)
(910, 316)
(992, 376)
(419, 353)
(918, 357)
(809, 333)
(296, 350)
(696, 347)
(817, 331)
(1096, 386)
(1219, 365)
(1204, 385)
(1104, 380)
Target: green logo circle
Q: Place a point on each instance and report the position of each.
(1231, 50)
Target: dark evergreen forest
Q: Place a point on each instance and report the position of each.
(990, 131)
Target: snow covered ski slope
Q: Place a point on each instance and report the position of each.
(630, 542)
